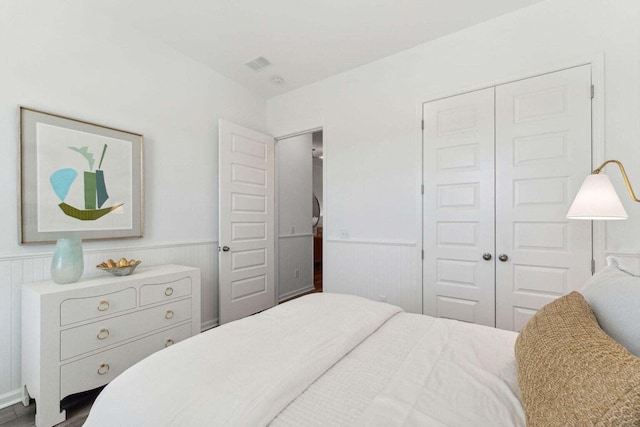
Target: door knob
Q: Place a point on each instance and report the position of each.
(486, 256)
(503, 257)
(225, 249)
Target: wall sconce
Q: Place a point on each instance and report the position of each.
(597, 198)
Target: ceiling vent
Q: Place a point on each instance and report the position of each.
(258, 64)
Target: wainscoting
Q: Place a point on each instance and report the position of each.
(18, 269)
(379, 270)
(295, 254)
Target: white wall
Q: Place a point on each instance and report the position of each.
(56, 57)
(295, 239)
(372, 140)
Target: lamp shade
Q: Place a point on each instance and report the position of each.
(597, 199)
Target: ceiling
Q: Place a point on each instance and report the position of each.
(306, 41)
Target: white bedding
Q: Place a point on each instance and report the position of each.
(418, 371)
(324, 359)
(458, 374)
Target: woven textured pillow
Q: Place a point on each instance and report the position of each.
(571, 373)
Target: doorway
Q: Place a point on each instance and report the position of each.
(318, 205)
(299, 207)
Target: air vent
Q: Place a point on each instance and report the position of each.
(258, 64)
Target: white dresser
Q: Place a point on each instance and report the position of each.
(81, 336)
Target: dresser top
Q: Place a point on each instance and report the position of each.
(140, 274)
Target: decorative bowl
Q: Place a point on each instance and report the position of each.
(119, 271)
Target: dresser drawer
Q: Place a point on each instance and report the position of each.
(98, 370)
(93, 336)
(74, 310)
(157, 292)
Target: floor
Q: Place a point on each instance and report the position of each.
(19, 415)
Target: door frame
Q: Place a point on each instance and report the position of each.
(277, 199)
(597, 63)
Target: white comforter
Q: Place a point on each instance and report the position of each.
(457, 374)
(321, 360)
(417, 371)
(243, 373)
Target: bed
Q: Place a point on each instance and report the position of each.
(323, 359)
(342, 360)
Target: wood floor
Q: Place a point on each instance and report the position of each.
(19, 415)
(317, 277)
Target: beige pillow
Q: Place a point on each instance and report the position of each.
(573, 374)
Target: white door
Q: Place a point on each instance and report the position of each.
(246, 222)
(543, 152)
(458, 208)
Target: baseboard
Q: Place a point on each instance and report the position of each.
(209, 324)
(10, 398)
(295, 293)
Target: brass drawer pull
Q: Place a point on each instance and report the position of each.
(103, 369)
(168, 292)
(169, 342)
(169, 314)
(103, 306)
(103, 334)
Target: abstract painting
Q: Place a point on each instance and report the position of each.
(78, 179)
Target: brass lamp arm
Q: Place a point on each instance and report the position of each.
(624, 175)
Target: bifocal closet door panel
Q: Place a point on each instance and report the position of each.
(458, 142)
(543, 152)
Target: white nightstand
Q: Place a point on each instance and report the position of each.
(81, 336)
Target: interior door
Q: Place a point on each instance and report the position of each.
(543, 152)
(458, 239)
(246, 222)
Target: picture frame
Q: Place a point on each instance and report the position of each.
(78, 179)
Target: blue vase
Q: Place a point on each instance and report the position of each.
(68, 263)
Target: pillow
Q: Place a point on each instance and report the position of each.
(614, 297)
(572, 373)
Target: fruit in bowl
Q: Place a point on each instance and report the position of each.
(123, 267)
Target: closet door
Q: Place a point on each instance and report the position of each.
(458, 207)
(543, 152)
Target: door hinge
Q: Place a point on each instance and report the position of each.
(593, 266)
(422, 189)
(422, 125)
(593, 91)
(422, 254)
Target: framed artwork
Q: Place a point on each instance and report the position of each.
(78, 179)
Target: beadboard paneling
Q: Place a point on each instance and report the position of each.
(18, 269)
(375, 270)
